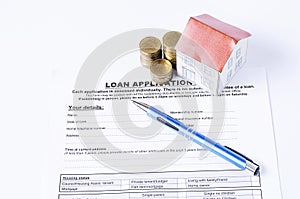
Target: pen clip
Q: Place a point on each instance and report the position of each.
(160, 119)
(239, 153)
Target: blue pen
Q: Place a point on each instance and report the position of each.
(224, 152)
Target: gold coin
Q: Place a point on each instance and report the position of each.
(146, 61)
(150, 45)
(170, 40)
(169, 55)
(161, 67)
(161, 71)
(155, 55)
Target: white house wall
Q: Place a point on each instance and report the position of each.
(235, 62)
(197, 72)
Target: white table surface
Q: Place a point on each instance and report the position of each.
(37, 37)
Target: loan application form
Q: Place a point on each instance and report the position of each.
(102, 146)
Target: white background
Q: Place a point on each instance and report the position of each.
(38, 38)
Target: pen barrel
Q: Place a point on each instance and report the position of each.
(207, 143)
(219, 149)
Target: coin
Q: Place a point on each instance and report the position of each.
(145, 61)
(150, 50)
(170, 40)
(169, 55)
(161, 71)
(150, 45)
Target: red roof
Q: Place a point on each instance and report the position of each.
(209, 40)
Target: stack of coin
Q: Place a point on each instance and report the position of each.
(170, 40)
(150, 49)
(161, 71)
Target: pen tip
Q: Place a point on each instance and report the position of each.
(257, 171)
(141, 105)
(134, 102)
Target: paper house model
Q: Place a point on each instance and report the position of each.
(210, 52)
